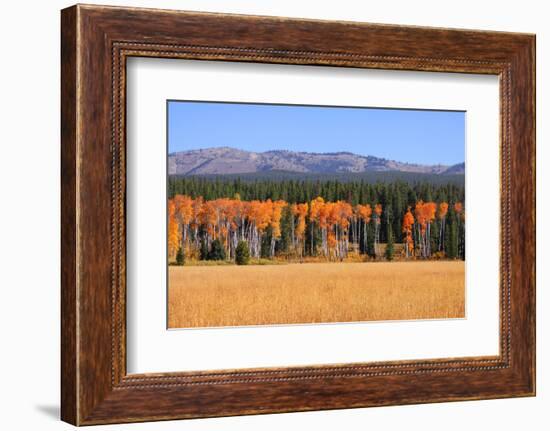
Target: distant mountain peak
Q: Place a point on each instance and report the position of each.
(228, 160)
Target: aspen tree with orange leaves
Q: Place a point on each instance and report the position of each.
(314, 209)
(275, 223)
(363, 213)
(408, 225)
(173, 231)
(183, 213)
(458, 207)
(425, 215)
(300, 212)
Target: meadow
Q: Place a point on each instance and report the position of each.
(232, 295)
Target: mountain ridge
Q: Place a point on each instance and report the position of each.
(227, 160)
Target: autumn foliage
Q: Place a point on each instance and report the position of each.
(408, 225)
(334, 229)
(425, 215)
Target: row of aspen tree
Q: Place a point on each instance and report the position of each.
(224, 228)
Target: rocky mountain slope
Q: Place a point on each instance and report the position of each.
(225, 160)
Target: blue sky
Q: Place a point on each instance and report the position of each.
(414, 136)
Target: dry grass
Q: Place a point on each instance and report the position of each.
(314, 292)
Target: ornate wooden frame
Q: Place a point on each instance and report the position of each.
(95, 42)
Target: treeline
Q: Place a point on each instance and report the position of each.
(221, 228)
(372, 177)
(395, 197)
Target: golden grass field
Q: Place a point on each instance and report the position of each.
(203, 296)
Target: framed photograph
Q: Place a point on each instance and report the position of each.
(293, 193)
(266, 215)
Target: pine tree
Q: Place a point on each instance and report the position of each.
(451, 239)
(371, 250)
(285, 242)
(461, 239)
(217, 251)
(265, 246)
(242, 255)
(389, 244)
(180, 257)
(204, 250)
